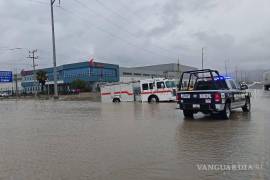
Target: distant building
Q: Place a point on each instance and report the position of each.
(10, 87)
(91, 73)
(171, 71)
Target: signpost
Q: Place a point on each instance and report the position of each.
(6, 76)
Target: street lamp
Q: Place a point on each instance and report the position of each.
(54, 53)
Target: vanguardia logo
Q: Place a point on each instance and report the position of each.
(229, 167)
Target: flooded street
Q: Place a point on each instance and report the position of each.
(82, 140)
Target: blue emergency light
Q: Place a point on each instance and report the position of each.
(222, 78)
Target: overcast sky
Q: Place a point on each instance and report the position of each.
(141, 32)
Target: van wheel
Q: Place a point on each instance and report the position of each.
(153, 99)
(188, 114)
(226, 113)
(116, 100)
(247, 106)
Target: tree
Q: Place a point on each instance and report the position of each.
(78, 84)
(41, 78)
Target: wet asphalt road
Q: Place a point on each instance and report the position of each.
(130, 141)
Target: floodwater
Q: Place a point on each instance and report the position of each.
(60, 140)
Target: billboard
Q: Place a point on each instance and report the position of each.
(5, 76)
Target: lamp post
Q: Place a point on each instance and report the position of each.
(54, 53)
(202, 57)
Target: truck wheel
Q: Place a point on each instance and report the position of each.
(247, 106)
(188, 114)
(226, 113)
(153, 99)
(116, 100)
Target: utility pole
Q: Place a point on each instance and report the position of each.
(202, 58)
(15, 78)
(16, 83)
(33, 57)
(241, 75)
(226, 68)
(178, 67)
(54, 52)
(236, 73)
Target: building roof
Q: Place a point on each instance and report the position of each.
(170, 67)
(71, 66)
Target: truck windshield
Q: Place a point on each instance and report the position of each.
(210, 85)
(170, 84)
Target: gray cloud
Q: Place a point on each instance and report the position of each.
(134, 33)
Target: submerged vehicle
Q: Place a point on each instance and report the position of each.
(147, 90)
(209, 92)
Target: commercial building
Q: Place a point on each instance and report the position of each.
(170, 71)
(92, 73)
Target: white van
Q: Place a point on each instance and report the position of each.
(148, 90)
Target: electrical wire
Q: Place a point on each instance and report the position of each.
(38, 2)
(121, 28)
(113, 35)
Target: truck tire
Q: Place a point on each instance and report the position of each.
(188, 114)
(226, 113)
(247, 106)
(153, 99)
(116, 100)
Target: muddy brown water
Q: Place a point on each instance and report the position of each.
(81, 140)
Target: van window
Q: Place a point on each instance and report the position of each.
(170, 84)
(151, 85)
(145, 86)
(160, 85)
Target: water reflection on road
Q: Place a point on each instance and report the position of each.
(84, 140)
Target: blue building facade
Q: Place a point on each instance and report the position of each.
(93, 74)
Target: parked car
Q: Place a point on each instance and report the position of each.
(4, 94)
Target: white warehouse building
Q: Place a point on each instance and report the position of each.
(170, 71)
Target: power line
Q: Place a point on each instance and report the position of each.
(11, 49)
(110, 9)
(115, 36)
(38, 2)
(131, 12)
(104, 17)
(121, 28)
(114, 24)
